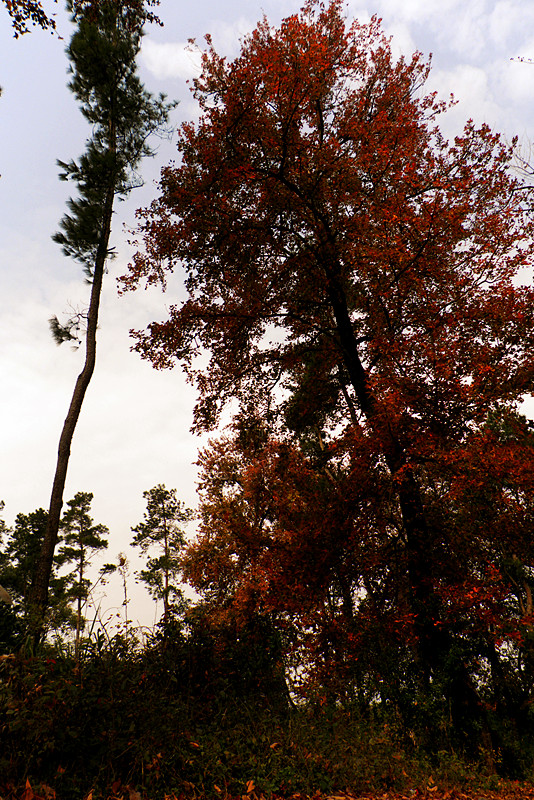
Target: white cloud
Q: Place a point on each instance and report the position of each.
(473, 94)
(420, 11)
(463, 27)
(466, 30)
(509, 21)
(171, 59)
(183, 59)
(402, 43)
(228, 35)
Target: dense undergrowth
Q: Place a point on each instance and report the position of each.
(183, 715)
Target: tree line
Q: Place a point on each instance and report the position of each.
(74, 581)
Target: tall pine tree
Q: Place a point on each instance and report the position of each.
(122, 115)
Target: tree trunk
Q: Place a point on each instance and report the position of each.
(79, 608)
(417, 537)
(166, 586)
(39, 592)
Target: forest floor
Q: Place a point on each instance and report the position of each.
(434, 793)
(509, 791)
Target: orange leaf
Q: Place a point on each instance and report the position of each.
(28, 793)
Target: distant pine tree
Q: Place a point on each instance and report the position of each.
(161, 532)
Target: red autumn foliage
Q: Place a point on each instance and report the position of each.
(354, 278)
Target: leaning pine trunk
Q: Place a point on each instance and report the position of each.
(39, 595)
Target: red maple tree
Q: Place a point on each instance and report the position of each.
(353, 277)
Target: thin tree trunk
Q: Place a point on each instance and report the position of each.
(126, 601)
(166, 579)
(39, 593)
(79, 609)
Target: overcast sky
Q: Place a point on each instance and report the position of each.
(134, 427)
